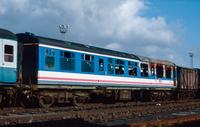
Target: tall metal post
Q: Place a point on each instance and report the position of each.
(63, 31)
(191, 54)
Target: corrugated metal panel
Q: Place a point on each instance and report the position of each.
(187, 78)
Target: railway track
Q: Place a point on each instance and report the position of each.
(175, 121)
(94, 113)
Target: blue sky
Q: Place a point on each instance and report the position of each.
(161, 29)
(185, 12)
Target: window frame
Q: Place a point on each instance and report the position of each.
(50, 53)
(111, 65)
(157, 69)
(8, 56)
(89, 62)
(121, 65)
(166, 68)
(142, 70)
(68, 56)
(134, 65)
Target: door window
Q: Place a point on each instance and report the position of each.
(101, 66)
(144, 70)
(8, 53)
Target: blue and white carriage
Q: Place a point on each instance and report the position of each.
(59, 65)
(8, 58)
(51, 70)
(72, 64)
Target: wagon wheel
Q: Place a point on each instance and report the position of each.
(45, 102)
(79, 100)
(153, 98)
(166, 96)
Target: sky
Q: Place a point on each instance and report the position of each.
(160, 29)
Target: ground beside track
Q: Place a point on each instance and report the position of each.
(106, 121)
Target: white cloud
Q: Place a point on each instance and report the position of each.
(3, 8)
(113, 24)
(113, 46)
(21, 6)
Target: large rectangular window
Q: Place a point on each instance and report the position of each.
(168, 71)
(87, 63)
(67, 61)
(132, 68)
(119, 67)
(144, 70)
(8, 53)
(159, 69)
(49, 59)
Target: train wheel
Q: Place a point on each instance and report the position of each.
(153, 98)
(166, 96)
(45, 102)
(79, 100)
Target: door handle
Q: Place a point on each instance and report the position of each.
(2, 63)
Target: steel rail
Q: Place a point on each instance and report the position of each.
(97, 115)
(167, 122)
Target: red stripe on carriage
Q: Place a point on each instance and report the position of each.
(101, 81)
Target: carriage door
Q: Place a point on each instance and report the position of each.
(9, 61)
(101, 66)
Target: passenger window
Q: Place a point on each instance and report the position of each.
(152, 70)
(87, 63)
(110, 66)
(168, 72)
(101, 66)
(8, 53)
(132, 68)
(67, 61)
(49, 59)
(144, 70)
(119, 67)
(174, 74)
(159, 69)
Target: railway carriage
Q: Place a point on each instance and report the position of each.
(37, 70)
(61, 70)
(8, 64)
(188, 82)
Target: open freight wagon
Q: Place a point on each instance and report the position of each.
(188, 81)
